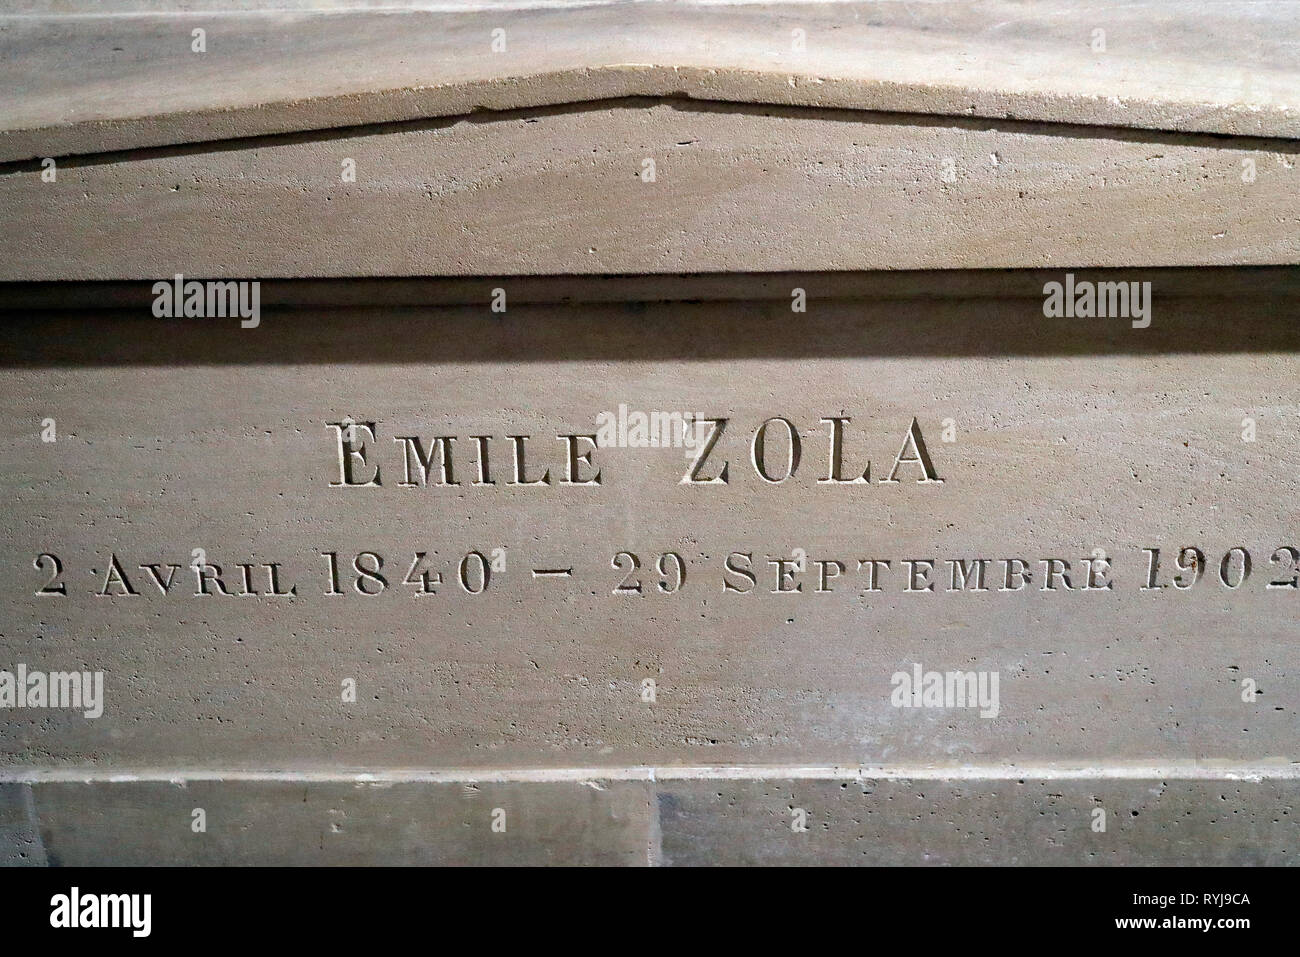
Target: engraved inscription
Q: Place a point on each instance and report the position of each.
(741, 571)
(775, 454)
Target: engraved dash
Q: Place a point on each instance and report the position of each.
(552, 572)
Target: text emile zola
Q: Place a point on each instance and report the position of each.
(775, 451)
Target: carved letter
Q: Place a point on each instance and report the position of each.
(833, 475)
(576, 460)
(693, 476)
(413, 449)
(745, 573)
(351, 455)
(759, 447)
(920, 456)
(521, 468)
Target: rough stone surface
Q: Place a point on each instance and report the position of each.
(20, 839)
(95, 83)
(562, 192)
(727, 822)
(1011, 822)
(281, 823)
(1071, 436)
(657, 669)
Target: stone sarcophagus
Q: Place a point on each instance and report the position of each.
(650, 433)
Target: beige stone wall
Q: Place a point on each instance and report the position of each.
(833, 254)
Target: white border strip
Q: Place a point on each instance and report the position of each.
(1279, 770)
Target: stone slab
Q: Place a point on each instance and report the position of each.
(1069, 436)
(733, 190)
(330, 823)
(710, 822)
(94, 83)
(1151, 822)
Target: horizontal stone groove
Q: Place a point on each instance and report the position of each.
(1276, 770)
(1203, 282)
